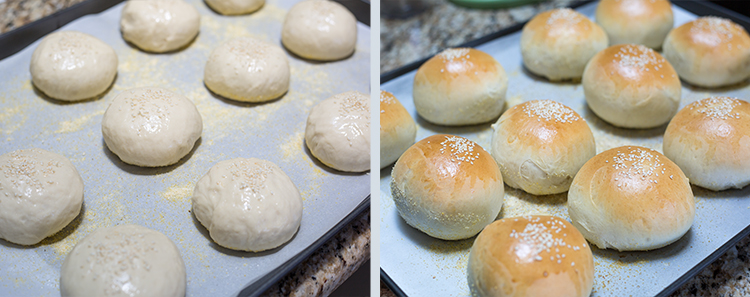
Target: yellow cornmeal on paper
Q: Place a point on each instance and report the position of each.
(77, 124)
(178, 193)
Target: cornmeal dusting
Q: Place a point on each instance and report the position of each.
(549, 110)
(461, 149)
(717, 107)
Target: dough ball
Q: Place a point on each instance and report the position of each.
(558, 43)
(151, 127)
(632, 86)
(708, 139)
(234, 7)
(460, 86)
(447, 186)
(248, 204)
(73, 66)
(125, 260)
(709, 52)
(319, 30)
(531, 256)
(338, 132)
(40, 193)
(397, 129)
(645, 22)
(631, 198)
(540, 145)
(159, 25)
(247, 69)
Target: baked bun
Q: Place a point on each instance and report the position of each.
(645, 22)
(708, 140)
(709, 52)
(531, 256)
(632, 86)
(631, 198)
(397, 129)
(558, 43)
(447, 186)
(460, 86)
(540, 145)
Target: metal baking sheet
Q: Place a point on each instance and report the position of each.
(420, 265)
(159, 198)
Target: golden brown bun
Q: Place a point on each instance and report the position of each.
(397, 129)
(645, 22)
(709, 140)
(447, 186)
(709, 52)
(632, 86)
(631, 198)
(460, 86)
(540, 145)
(531, 256)
(558, 43)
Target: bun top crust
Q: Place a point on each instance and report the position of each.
(463, 64)
(629, 11)
(712, 36)
(562, 24)
(634, 65)
(392, 113)
(545, 122)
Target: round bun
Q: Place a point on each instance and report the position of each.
(338, 132)
(126, 260)
(632, 86)
(447, 186)
(73, 66)
(645, 22)
(558, 43)
(631, 198)
(540, 145)
(248, 204)
(235, 7)
(320, 30)
(709, 52)
(159, 26)
(708, 140)
(40, 193)
(460, 86)
(397, 129)
(247, 69)
(151, 127)
(531, 256)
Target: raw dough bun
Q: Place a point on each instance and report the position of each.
(708, 139)
(397, 129)
(632, 86)
(319, 30)
(631, 198)
(234, 7)
(531, 256)
(151, 127)
(709, 52)
(73, 66)
(40, 193)
(338, 132)
(126, 260)
(645, 22)
(247, 69)
(159, 25)
(540, 145)
(460, 86)
(248, 204)
(447, 186)
(557, 44)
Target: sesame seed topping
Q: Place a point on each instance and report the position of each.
(538, 237)
(719, 30)
(549, 110)
(637, 163)
(385, 99)
(564, 16)
(454, 53)
(251, 175)
(639, 57)
(460, 149)
(717, 107)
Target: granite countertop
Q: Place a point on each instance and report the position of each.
(442, 25)
(321, 273)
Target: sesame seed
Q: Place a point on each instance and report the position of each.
(717, 107)
(461, 149)
(549, 110)
(639, 57)
(564, 16)
(715, 30)
(454, 53)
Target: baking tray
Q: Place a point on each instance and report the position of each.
(415, 264)
(159, 198)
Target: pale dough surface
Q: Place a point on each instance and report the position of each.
(320, 30)
(248, 204)
(127, 260)
(73, 66)
(233, 7)
(40, 193)
(159, 25)
(151, 127)
(338, 132)
(247, 69)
